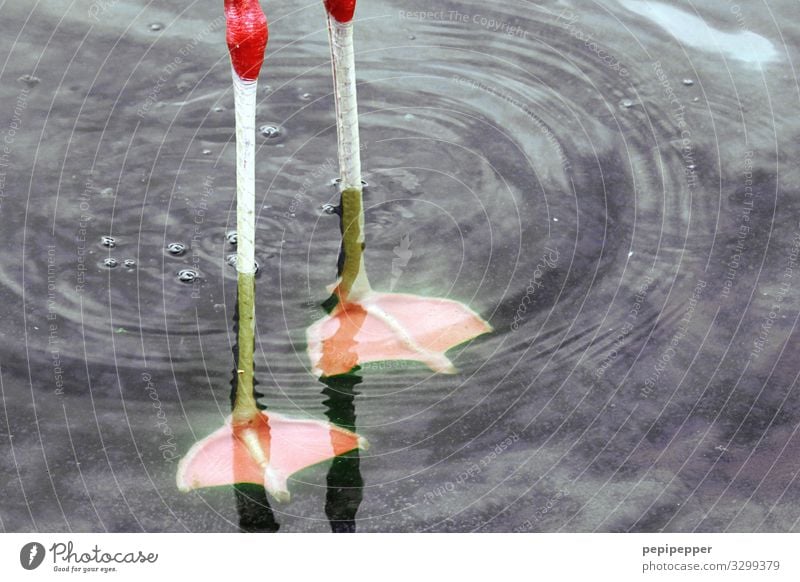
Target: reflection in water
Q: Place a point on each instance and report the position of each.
(501, 153)
(345, 484)
(252, 505)
(255, 513)
(744, 45)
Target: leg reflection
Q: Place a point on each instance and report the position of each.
(255, 513)
(345, 484)
(252, 505)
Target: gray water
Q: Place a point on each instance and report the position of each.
(612, 184)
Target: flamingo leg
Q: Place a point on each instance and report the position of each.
(254, 446)
(365, 325)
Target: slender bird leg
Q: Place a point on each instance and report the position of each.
(365, 325)
(254, 446)
(354, 283)
(246, 35)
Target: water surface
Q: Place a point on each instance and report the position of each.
(611, 184)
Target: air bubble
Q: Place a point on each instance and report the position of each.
(337, 181)
(29, 80)
(156, 26)
(218, 109)
(270, 131)
(188, 275)
(110, 262)
(232, 237)
(108, 241)
(626, 103)
(411, 37)
(176, 248)
(232, 260)
(306, 97)
(206, 152)
(330, 209)
(130, 263)
(688, 82)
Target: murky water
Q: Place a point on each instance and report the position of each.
(613, 185)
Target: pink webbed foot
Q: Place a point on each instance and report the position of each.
(391, 326)
(265, 450)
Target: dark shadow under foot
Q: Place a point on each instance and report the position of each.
(255, 513)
